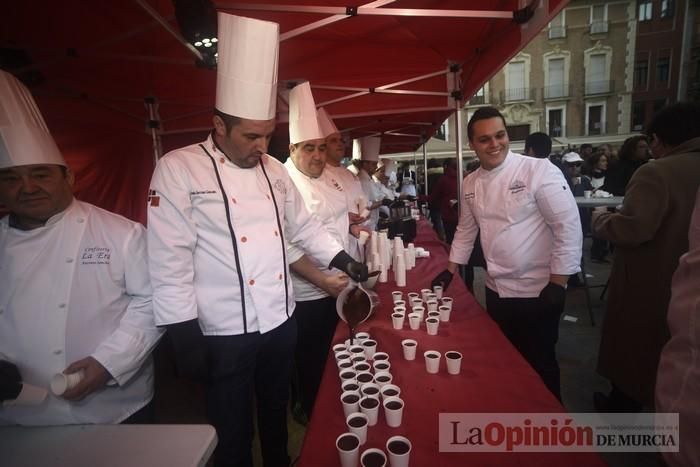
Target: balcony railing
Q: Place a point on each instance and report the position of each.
(556, 91)
(556, 131)
(599, 27)
(557, 32)
(517, 94)
(596, 128)
(599, 87)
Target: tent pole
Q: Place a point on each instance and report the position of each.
(154, 125)
(458, 134)
(425, 168)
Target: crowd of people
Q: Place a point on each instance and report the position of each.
(244, 256)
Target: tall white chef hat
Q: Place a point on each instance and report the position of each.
(246, 76)
(356, 149)
(369, 148)
(326, 123)
(303, 120)
(24, 137)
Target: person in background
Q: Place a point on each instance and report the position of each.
(366, 157)
(650, 234)
(586, 151)
(531, 237)
(538, 145)
(315, 285)
(596, 168)
(678, 377)
(633, 154)
(75, 296)
(407, 180)
(220, 218)
(435, 172)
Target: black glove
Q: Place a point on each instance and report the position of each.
(553, 295)
(387, 202)
(357, 271)
(10, 381)
(443, 279)
(190, 350)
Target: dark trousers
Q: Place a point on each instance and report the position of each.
(243, 367)
(533, 328)
(316, 322)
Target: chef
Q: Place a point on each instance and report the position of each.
(335, 153)
(315, 286)
(75, 295)
(366, 154)
(531, 236)
(220, 217)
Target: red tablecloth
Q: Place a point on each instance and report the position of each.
(494, 378)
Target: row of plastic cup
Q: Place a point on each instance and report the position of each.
(348, 445)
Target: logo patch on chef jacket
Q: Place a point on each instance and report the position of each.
(279, 186)
(153, 199)
(469, 196)
(336, 185)
(95, 255)
(516, 187)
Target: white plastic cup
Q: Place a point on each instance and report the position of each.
(362, 367)
(393, 411)
(350, 385)
(370, 346)
(370, 390)
(444, 313)
(345, 364)
(364, 235)
(370, 407)
(373, 452)
(382, 378)
(382, 365)
(358, 359)
(409, 348)
(587, 193)
(414, 321)
(424, 294)
(454, 362)
(390, 390)
(432, 361)
(437, 290)
(357, 423)
(419, 310)
(397, 320)
(400, 309)
(412, 295)
(381, 356)
(356, 350)
(347, 374)
(365, 377)
(432, 305)
(447, 301)
(397, 295)
(431, 325)
(398, 455)
(361, 336)
(350, 401)
(61, 382)
(400, 302)
(416, 302)
(434, 314)
(348, 446)
(339, 348)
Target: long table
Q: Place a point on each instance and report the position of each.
(494, 379)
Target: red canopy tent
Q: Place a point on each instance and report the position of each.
(391, 67)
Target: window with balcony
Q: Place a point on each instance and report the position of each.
(517, 86)
(667, 9)
(555, 121)
(641, 73)
(644, 10)
(599, 19)
(638, 115)
(595, 119)
(557, 28)
(597, 77)
(663, 67)
(556, 79)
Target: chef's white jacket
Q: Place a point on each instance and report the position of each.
(530, 225)
(353, 192)
(325, 198)
(74, 288)
(217, 238)
(373, 193)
